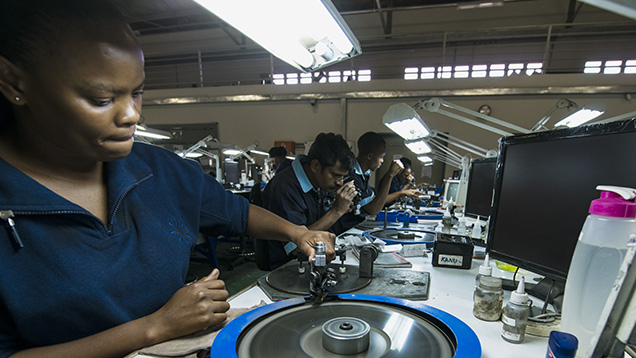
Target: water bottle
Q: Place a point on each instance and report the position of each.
(596, 261)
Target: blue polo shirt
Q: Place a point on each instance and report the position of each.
(76, 276)
(395, 186)
(291, 196)
(362, 183)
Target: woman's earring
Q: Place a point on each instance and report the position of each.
(16, 98)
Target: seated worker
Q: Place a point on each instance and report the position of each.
(402, 184)
(371, 151)
(298, 194)
(279, 154)
(96, 230)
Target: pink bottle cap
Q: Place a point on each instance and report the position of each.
(613, 204)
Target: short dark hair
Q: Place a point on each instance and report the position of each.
(32, 29)
(371, 142)
(406, 162)
(329, 148)
(277, 152)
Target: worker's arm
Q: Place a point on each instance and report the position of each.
(374, 207)
(266, 225)
(192, 308)
(414, 193)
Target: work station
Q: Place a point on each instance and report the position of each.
(319, 178)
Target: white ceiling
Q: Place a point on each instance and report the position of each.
(184, 43)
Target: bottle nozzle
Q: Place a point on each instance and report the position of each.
(521, 288)
(520, 296)
(486, 260)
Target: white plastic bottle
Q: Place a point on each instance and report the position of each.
(515, 315)
(484, 270)
(596, 261)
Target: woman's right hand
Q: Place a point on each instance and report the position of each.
(192, 308)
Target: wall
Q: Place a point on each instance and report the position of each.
(264, 114)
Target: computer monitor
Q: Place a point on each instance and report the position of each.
(481, 182)
(231, 171)
(544, 184)
(451, 189)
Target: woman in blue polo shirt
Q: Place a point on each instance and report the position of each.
(98, 229)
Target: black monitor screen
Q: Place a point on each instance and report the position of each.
(544, 184)
(481, 181)
(231, 172)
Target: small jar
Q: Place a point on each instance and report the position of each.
(562, 345)
(488, 299)
(515, 315)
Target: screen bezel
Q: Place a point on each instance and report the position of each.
(613, 128)
(471, 183)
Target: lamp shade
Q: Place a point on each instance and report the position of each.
(418, 146)
(582, 115)
(307, 34)
(404, 120)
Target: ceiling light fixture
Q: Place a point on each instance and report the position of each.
(144, 131)
(307, 34)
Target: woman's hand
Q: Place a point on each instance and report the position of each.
(192, 308)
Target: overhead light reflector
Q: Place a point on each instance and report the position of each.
(307, 34)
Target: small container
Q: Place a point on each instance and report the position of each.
(447, 222)
(488, 299)
(561, 345)
(485, 270)
(515, 315)
(476, 233)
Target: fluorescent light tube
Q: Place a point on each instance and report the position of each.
(307, 34)
(143, 131)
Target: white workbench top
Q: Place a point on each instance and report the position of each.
(451, 290)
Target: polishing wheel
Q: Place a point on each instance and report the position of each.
(403, 236)
(352, 326)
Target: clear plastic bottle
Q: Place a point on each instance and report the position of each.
(485, 270)
(447, 221)
(515, 315)
(596, 261)
(488, 299)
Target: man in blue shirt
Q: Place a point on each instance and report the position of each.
(279, 155)
(371, 152)
(299, 194)
(402, 184)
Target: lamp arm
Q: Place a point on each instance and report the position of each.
(562, 103)
(243, 152)
(199, 144)
(448, 161)
(434, 105)
(460, 143)
(617, 118)
(443, 148)
(217, 162)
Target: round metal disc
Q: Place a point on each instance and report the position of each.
(404, 236)
(296, 332)
(287, 279)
